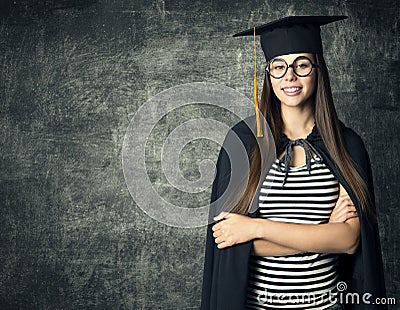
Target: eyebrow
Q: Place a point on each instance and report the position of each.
(308, 55)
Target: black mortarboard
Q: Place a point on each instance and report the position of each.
(292, 34)
(288, 35)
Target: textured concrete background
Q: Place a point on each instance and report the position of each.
(73, 73)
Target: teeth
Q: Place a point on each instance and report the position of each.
(291, 89)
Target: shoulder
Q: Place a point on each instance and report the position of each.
(238, 138)
(350, 136)
(353, 142)
(242, 132)
(244, 128)
(355, 147)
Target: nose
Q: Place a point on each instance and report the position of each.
(290, 75)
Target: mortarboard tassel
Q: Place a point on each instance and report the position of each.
(255, 87)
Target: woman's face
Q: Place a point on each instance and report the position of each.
(291, 89)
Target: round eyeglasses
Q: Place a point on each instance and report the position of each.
(302, 66)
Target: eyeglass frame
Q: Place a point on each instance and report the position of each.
(313, 65)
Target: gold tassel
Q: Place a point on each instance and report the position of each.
(255, 87)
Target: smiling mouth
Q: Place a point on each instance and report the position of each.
(291, 90)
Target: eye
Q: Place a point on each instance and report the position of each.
(279, 67)
(302, 65)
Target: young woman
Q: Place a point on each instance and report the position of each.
(312, 242)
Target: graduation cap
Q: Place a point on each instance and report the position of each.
(289, 35)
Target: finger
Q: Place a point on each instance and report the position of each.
(342, 203)
(339, 216)
(349, 201)
(223, 245)
(338, 219)
(345, 206)
(351, 208)
(344, 194)
(351, 211)
(216, 227)
(229, 215)
(343, 209)
(220, 216)
(217, 234)
(343, 215)
(351, 215)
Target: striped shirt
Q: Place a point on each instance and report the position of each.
(303, 280)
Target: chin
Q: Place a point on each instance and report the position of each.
(292, 103)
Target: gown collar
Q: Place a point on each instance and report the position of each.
(307, 144)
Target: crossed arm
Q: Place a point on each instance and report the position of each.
(271, 238)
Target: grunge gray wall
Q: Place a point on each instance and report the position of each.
(73, 73)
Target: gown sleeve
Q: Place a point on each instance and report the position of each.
(365, 266)
(211, 257)
(225, 270)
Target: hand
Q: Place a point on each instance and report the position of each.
(233, 228)
(344, 210)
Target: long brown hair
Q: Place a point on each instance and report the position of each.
(328, 125)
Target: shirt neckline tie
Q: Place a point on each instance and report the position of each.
(287, 157)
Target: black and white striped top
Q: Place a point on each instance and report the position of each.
(304, 280)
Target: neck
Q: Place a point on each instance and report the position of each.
(298, 121)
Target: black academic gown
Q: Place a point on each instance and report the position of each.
(226, 270)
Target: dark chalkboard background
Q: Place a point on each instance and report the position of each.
(73, 74)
